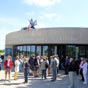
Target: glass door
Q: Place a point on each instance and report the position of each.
(71, 51)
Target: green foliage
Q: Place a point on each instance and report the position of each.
(24, 28)
(2, 51)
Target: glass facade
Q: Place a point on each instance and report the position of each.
(82, 51)
(32, 51)
(28, 51)
(45, 50)
(24, 50)
(38, 50)
(53, 50)
(71, 51)
(75, 51)
(87, 51)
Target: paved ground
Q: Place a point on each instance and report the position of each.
(62, 82)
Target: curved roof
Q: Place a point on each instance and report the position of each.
(58, 35)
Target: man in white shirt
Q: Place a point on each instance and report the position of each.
(58, 62)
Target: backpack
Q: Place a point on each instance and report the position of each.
(46, 65)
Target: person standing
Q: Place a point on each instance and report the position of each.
(8, 66)
(84, 67)
(17, 64)
(26, 68)
(66, 65)
(43, 67)
(77, 63)
(71, 70)
(58, 62)
(38, 67)
(35, 66)
(31, 62)
(81, 69)
(54, 69)
(21, 63)
(47, 66)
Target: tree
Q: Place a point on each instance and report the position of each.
(24, 28)
(2, 51)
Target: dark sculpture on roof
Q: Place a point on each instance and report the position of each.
(32, 23)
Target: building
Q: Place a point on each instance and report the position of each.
(49, 41)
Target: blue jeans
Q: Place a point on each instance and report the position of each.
(54, 74)
(26, 75)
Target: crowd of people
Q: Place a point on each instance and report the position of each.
(42, 66)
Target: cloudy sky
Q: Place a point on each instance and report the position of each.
(14, 14)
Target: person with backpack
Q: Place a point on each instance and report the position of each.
(8, 64)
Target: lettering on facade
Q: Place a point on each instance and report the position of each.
(57, 39)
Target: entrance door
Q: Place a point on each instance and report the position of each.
(61, 50)
(72, 51)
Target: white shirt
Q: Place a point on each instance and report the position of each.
(81, 64)
(17, 63)
(57, 61)
(0, 60)
(85, 67)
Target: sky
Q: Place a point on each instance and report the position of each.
(15, 14)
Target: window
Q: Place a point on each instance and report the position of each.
(38, 51)
(82, 51)
(28, 51)
(32, 50)
(45, 50)
(71, 51)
